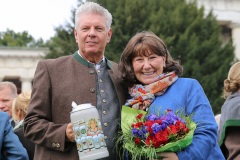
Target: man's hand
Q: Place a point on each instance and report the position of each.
(70, 132)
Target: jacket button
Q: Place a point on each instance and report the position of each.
(58, 145)
(104, 112)
(105, 124)
(92, 90)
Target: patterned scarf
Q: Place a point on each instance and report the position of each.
(143, 96)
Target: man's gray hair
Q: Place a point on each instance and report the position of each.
(92, 7)
(11, 85)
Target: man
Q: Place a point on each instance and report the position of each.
(10, 146)
(8, 91)
(84, 77)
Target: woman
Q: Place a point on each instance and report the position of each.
(146, 61)
(230, 115)
(19, 108)
(19, 111)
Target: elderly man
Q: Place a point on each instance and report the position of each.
(86, 76)
(8, 91)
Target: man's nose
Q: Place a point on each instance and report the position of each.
(92, 32)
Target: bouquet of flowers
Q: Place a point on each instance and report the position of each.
(144, 135)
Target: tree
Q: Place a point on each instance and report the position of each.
(21, 39)
(63, 43)
(190, 36)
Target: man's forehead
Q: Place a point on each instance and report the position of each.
(6, 93)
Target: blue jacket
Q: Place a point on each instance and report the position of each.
(11, 147)
(188, 94)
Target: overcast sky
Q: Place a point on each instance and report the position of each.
(38, 17)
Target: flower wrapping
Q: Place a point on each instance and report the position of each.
(145, 135)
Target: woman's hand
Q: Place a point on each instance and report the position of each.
(168, 156)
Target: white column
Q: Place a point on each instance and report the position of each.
(26, 84)
(236, 39)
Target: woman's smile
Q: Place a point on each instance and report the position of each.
(147, 68)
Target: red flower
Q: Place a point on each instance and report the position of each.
(137, 141)
(161, 138)
(149, 124)
(149, 140)
(137, 125)
(172, 129)
(139, 116)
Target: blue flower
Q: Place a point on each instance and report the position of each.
(156, 128)
(151, 117)
(135, 132)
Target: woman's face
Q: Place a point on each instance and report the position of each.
(146, 69)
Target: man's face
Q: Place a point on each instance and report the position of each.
(92, 36)
(6, 99)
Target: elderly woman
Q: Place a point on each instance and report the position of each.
(146, 62)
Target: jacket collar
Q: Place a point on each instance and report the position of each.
(84, 62)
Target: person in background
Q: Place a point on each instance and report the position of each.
(87, 76)
(230, 115)
(147, 62)
(8, 91)
(10, 146)
(19, 111)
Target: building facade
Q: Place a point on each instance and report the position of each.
(227, 13)
(18, 65)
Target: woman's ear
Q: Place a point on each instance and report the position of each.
(164, 62)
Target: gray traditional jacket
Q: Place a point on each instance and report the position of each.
(230, 127)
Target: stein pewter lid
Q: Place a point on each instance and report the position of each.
(84, 106)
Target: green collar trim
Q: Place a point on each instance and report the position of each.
(232, 123)
(81, 60)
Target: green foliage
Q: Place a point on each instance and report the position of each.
(191, 36)
(12, 39)
(63, 43)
